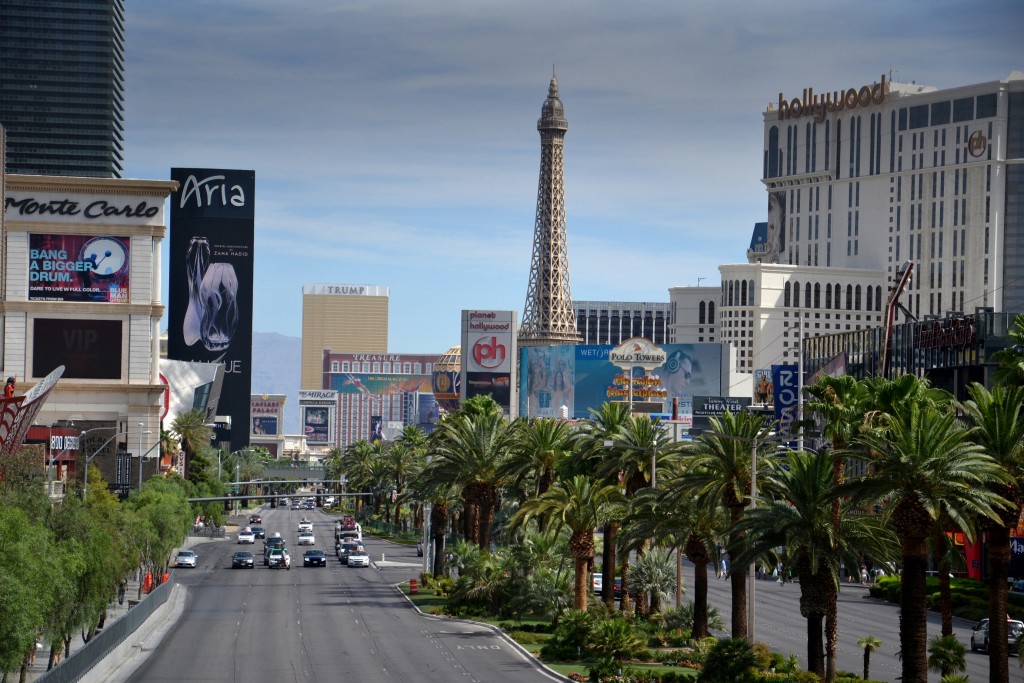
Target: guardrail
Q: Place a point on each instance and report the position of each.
(113, 634)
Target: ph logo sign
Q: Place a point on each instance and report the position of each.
(488, 353)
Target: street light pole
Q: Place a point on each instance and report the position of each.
(88, 458)
(141, 427)
(752, 570)
(237, 485)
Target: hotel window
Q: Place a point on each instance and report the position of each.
(376, 366)
(986, 106)
(963, 110)
(417, 368)
(334, 366)
(366, 366)
(406, 368)
(344, 366)
(387, 366)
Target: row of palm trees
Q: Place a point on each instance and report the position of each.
(904, 465)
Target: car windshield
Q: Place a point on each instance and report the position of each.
(243, 555)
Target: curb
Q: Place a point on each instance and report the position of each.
(523, 652)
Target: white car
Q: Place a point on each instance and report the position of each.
(305, 525)
(358, 558)
(246, 535)
(185, 558)
(307, 538)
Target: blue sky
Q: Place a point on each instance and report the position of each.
(395, 142)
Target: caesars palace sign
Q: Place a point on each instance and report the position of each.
(818, 106)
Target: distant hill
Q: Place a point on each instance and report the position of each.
(276, 369)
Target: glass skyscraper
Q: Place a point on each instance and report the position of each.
(62, 86)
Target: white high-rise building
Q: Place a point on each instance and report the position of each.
(862, 180)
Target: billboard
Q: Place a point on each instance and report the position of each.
(88, 349)
(706, 407)
(582, 378)
(489, 355)
(785, 380)
(210, 275)
(318, 409)
(266, 413)
(78, 268)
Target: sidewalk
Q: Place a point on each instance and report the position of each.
(114, 612)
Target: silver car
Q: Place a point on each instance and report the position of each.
(185, 558)
(1014, 631)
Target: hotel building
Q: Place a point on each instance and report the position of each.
(861, 181)
(351, 318)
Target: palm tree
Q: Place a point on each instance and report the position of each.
(470, 449)
(637, 448)
(717, 467)
(580, 505)
(924, 466)
(654, 574)
(543, 444)
(870, 644)
(841, 403)
(590, 450)
(798, 517)
(403, 461)
(193, 435)
(355, 464)
(999, 429)
(697, 522)
(946, 655)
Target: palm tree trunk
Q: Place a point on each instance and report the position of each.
(737, 578)
(697, 551)
(867, 662)
(487, 504)
(815, 653)
(679, 577)
(913, 609)
(999, 569)
(831, 630)
(625, 603)
(580, 590)
(611, 532)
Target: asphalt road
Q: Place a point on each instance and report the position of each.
(319, 624)
(778, 623)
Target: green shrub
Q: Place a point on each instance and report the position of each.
(729, 661)
(786, 677)
(525, 638)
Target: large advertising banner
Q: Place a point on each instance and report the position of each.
(266, 412)
(78, 268)
(488, 360)
(319, 415)
(377, 384)
(88, 349)
(784, 377)
(707, 407)
(583, 378)
(210, 274)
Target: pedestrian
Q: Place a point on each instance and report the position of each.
(778, 572)
(9, 388)
(863, 575)
(121, 589)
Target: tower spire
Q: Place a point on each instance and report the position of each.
(548, 316)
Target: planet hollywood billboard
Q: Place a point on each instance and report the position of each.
(211, 274)
(489, 356)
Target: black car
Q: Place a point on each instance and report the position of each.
(255, 519)
(243, 559)
(314, 558)
(258, 531)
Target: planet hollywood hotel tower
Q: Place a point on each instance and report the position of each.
(877, 174)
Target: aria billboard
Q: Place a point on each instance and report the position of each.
(489, 356)
(211, 271)
(584, 377)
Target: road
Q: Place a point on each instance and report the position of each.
(320, 624)
(778, 623)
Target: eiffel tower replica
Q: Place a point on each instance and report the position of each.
(548, 316)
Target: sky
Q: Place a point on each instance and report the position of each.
(395, 141)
